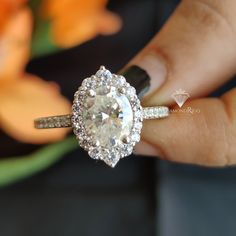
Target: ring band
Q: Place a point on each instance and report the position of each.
(106, 117)
(64, 121)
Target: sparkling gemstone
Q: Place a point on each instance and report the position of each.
(135, 137)
(104, 73)
(108, 117)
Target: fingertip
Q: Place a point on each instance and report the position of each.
(155, 67)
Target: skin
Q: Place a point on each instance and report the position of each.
(195, 51)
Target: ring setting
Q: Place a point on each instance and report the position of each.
(106, 117)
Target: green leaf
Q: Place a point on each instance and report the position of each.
(35, 5)
(41, 40)
(16, 168)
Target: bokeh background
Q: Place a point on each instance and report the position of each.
(55, 189)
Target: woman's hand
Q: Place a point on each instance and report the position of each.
(195, 51)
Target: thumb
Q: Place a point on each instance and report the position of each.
(204, 133)
(195, 51)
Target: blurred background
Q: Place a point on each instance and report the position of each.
(48, 185)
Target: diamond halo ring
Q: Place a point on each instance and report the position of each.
(106, 117)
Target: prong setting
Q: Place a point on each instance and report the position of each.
(102, 68)
(91, 93)
(126, 139)
(122, 90)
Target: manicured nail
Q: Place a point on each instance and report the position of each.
(155, 67)
(145, 149)
(138, 78)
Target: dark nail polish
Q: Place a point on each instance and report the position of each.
(138, 78)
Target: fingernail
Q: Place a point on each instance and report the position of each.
(145, 149)
(155, 68)
(138, 78)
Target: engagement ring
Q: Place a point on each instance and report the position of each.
(106, 117)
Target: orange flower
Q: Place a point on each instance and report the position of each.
(24, 97)
(76, 21)
(7, 7)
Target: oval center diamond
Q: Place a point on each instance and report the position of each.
(108, 117)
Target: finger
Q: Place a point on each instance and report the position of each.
(194, 51)
(202, 132)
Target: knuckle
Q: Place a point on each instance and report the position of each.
(206, 13)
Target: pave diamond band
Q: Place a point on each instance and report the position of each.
(155, 112)
(64, 121)
(107, 117)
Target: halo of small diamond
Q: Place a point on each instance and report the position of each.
(104, 78)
